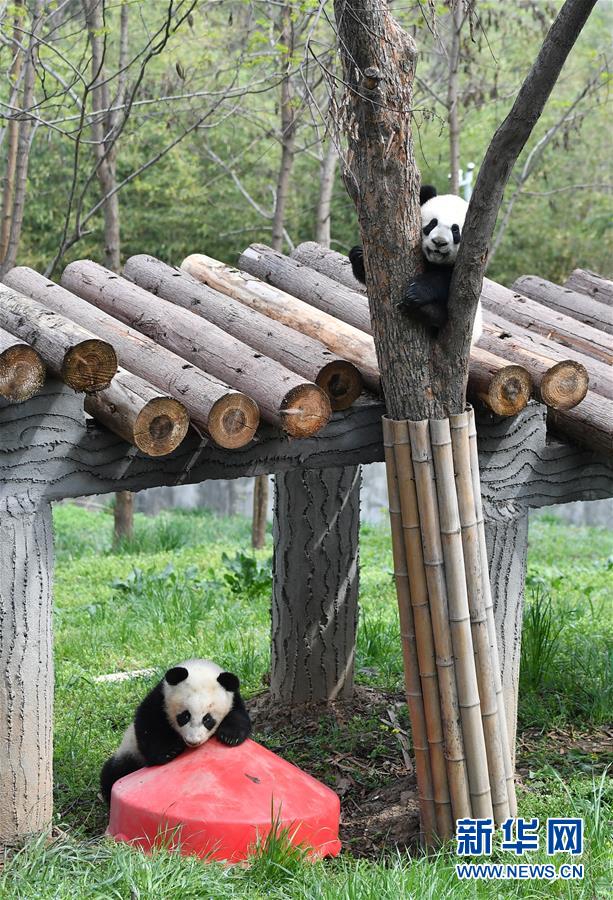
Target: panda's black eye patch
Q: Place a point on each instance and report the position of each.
(209, 722)
(430, 226)
(183, 718)
(455, 230)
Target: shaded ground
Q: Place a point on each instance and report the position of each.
(361, 749)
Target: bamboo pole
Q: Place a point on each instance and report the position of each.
(133, 409)
(79, 358)
(505, 731)
(22, 371)
(461, 637)
(478, 618)
(439, 614)
(424, 641)
(415, 700)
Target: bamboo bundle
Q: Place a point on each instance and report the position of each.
(478, 618)
(505, 732)
(134, 410)
(79, 358)
(439, 615)
(459, 617)
(285, 399)
(424, 640)
(413, 684)
(337, 336)
(22, 371)
(339, 378)
(229, 417)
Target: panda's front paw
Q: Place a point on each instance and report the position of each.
(420, 301)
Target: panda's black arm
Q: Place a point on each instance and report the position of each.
(356, 258)
(427, 294)
(157, 741)
(236, 727)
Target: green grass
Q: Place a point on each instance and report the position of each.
(187, 584)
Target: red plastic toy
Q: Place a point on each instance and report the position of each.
(217, 801)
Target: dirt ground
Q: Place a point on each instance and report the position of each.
(361, 749)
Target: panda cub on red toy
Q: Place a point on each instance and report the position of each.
(194, 701)
(442, 221)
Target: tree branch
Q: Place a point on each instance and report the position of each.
(501, 155)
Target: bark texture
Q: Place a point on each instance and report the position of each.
(564, 300)
(315, 586)
(26, 669)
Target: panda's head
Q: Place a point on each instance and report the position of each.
(198, 695)
(442, 221)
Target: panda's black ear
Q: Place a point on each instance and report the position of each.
(426, 192)
(229, 681)
(176, 675)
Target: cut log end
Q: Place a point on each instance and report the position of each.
(509, 391)
(160, 426)
(22, 373)
(342, 383)
(233, 420)
(305, 410)
(564, 385)
(89, 366)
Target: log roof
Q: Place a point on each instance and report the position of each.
(283, 342)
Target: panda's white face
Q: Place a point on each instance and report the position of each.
(197, 704)
(442, 221)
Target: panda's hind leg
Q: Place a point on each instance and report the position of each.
(114, 769)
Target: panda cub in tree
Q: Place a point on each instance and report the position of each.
(192, 702)
(442, 221)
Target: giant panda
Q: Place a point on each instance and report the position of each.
(194, 701)
(442, 221)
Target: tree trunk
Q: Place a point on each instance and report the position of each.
(327, 172)
(123, 516)
(26, 667)
(26, 125)
(453, 83)
(260, 511)
(288, 127)
(8, 186)
(315, 584)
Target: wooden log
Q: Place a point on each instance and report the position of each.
(137, 412)
(83, 361)
(595, 286)
(328, 262)
(512, 342)
(345, 340)
(561, 384)
(588, 425)
(305, 283)
(504, 388)
(565, 300)
(229, 417)
(541, 320)
(22, 371)
(339, 378)
(412, 678)
(495, 323)
(285, 399)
